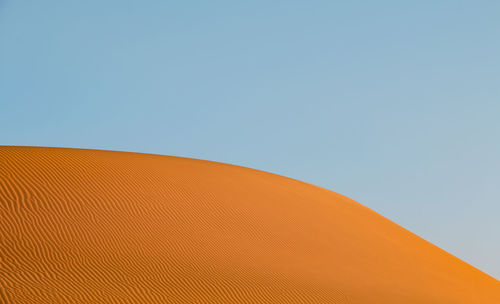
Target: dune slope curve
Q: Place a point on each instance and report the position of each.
(87, 226)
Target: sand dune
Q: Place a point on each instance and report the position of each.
(86, 226)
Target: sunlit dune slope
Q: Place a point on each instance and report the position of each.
(86, 226)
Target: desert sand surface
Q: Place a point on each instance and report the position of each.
(89, 226)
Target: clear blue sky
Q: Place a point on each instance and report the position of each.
(393, 103)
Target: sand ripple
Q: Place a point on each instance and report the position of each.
(86, 226)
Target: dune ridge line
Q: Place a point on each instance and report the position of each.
(93, 226)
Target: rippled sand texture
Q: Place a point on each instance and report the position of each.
(85, 226)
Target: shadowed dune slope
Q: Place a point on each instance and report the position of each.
(87, 226)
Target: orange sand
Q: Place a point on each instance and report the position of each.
(86, 226)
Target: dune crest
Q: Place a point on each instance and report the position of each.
(88, 226)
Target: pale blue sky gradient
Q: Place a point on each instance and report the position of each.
(395, 104)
